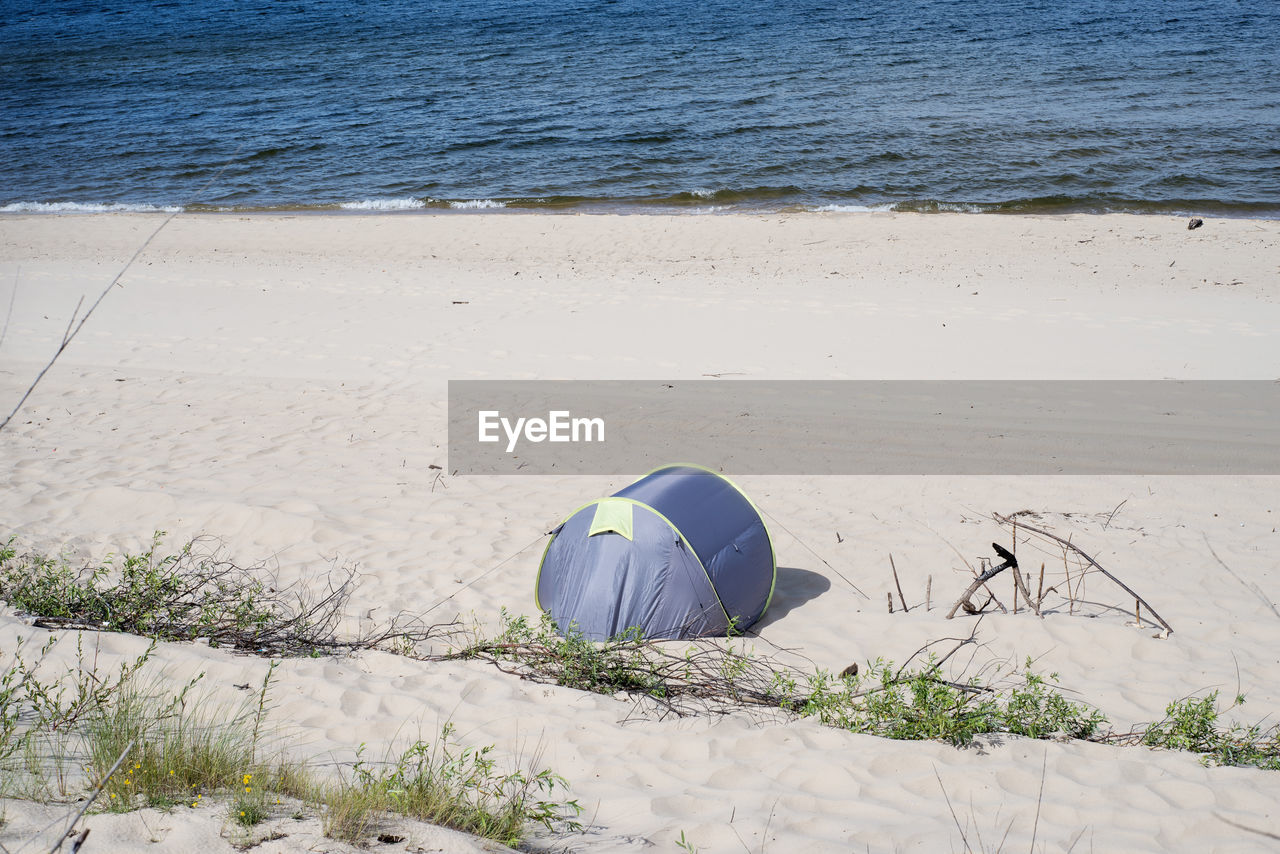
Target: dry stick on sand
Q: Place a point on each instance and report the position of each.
(1013, 549)
(898, 584)
(1019, 582)
(1067, 569)
(1078, 551)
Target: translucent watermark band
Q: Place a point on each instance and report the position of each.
(916, 427)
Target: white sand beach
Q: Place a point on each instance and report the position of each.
(279, 383)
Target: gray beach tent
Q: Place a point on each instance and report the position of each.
(680, 553)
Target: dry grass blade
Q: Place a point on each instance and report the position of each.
(952, 809)
(1035, 827)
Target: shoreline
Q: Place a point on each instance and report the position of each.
(691, 207)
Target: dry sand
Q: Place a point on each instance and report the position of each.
(279, 382)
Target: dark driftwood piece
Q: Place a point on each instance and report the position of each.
(1066, 544)
(1009, 561)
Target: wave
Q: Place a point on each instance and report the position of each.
(401, 204)
(838, 208)
(86, 207)
(477, 204)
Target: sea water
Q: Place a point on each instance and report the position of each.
(639, 105)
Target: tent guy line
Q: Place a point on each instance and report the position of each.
(70, 334)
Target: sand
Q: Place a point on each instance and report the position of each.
(278, 382)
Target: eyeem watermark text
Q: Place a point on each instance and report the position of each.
(558, 426)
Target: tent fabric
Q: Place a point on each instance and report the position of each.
(680, 553)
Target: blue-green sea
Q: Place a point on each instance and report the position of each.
(641, 105)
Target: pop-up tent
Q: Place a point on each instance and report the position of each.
(680, 553)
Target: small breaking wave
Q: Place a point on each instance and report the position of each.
(476, 204)
(401, 204)
(838, 208)
(86, 207)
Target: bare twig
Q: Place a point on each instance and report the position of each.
(89, 801)
(1113, 513)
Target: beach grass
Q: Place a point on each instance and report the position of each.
(130, 743)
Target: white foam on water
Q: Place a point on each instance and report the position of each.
(403, 204)
(477, 204)
(953, 207)
(852, 208)
(85, 207)
(702, 193)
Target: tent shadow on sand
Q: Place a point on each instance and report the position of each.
(794, 587)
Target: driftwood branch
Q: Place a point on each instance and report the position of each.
(1009, 561)
(1069, 546)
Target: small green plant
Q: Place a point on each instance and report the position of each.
(685, 845)
(197, 592)
(1037, 710)
(1193, 724)
(176, 597)
(920, 703)
(249, 806)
